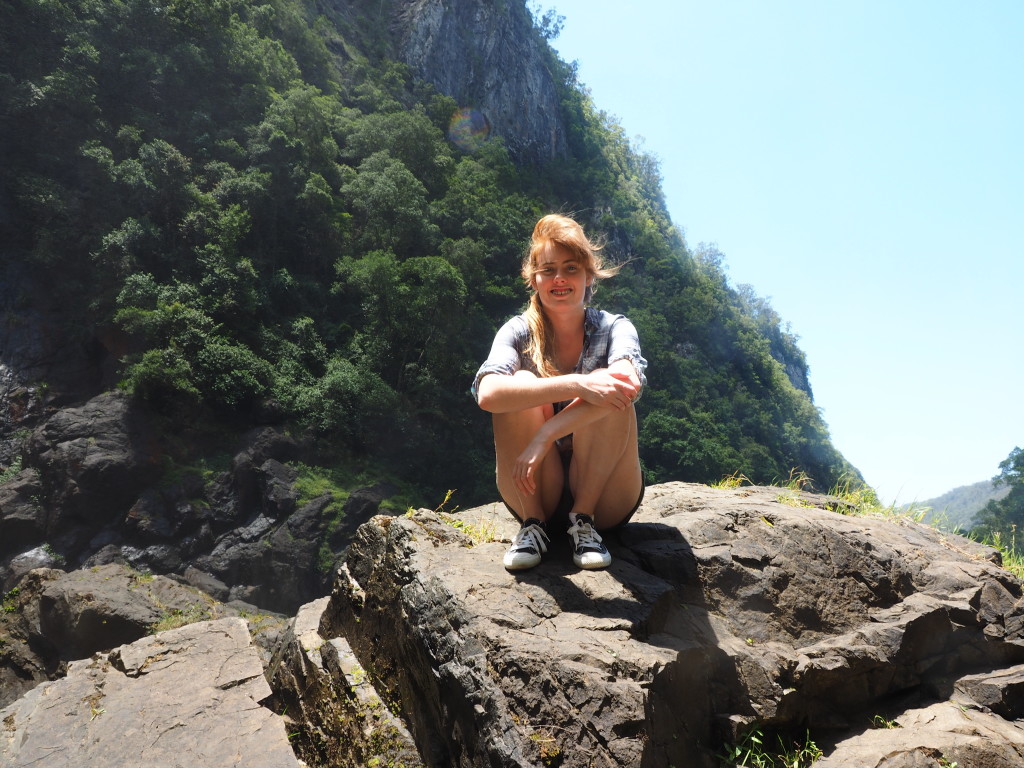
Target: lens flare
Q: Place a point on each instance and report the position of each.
(468, 129)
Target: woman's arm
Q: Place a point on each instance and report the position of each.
(613, 387)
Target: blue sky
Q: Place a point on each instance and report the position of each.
(861, 164)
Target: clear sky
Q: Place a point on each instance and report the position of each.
(861, 164)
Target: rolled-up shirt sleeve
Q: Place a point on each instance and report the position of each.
(505, 356)
(624, 344)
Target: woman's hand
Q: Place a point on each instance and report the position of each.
(524, 471)
(609, 388)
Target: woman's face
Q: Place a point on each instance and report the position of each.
(559, 278)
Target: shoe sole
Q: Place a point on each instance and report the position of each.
(591, 566)
(521, 565)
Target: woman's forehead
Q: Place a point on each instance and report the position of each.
(555, 253)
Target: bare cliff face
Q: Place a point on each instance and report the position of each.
(484, 54)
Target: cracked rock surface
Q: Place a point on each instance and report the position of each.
(187, 697)
(721, 609)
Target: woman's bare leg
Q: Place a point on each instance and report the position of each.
(512, 433)
(605, 474)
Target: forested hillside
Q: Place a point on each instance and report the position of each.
(252, 213)
(956, 509)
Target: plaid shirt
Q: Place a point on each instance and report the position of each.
(606, 338)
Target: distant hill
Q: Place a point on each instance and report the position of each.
(957, 508)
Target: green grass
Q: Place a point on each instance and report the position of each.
(315, 481)
(179, 617)
(1008, 550)
(735, 480)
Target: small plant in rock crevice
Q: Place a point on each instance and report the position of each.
(881, 722)
(756, 750)
(11, 471)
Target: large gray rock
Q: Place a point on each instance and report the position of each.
(95, 491)
(189, 697)
(722, 609)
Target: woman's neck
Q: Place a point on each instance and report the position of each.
(568, 321)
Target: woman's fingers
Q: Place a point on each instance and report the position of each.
(610, 389)
(524, 473)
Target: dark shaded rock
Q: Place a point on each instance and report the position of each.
(187, 697)
(277, 489)
(360, 506)
(23, 520)
(93, 461)
(248, 478)
(275, 565)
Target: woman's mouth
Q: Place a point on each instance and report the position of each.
(561, 291)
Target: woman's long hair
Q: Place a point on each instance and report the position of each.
(566, 232)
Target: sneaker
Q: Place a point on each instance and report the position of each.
(527, 546)
(588, 550)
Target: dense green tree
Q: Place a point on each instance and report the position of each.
(1001, 519)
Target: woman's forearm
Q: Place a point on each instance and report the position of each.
(506, 394)
(578, 414)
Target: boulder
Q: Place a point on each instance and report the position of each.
(96, 609)
(722, 609)
(187, 697)
(93, 460)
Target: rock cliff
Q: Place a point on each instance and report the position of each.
(486, 56)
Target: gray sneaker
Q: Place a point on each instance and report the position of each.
(527, 546)
(588, 550)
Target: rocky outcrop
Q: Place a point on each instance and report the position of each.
(721, 610)
(890, 643)
(92, 462)
(487, 57)
(187, 697)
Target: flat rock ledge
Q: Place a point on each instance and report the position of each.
(186, 698)
(722, 610)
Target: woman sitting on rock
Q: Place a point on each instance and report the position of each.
(564, 376)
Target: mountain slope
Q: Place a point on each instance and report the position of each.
(251, 212)
(955, 509)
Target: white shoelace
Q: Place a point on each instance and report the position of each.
(531, 536)
(584, 535)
